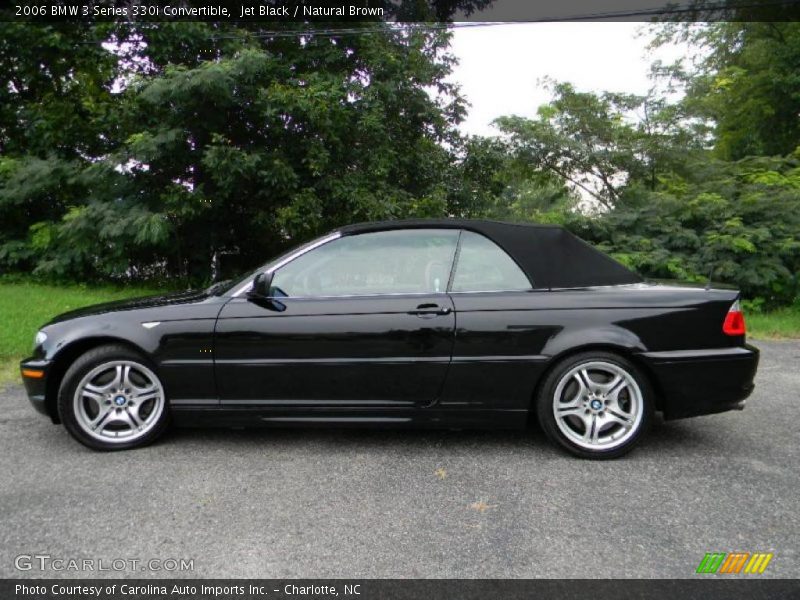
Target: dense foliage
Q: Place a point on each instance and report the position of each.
(180, 146)
(735, 222)
(705, 187)
(141, 152)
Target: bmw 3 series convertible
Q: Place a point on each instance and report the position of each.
(423, 323)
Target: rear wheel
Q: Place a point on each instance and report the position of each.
(111, 399)
(595, 405)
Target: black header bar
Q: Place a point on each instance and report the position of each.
(293, 12)
(703, 587)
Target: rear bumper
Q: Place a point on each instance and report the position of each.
(36, 387)
(703, 382)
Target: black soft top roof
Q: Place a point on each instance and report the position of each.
(551, 256)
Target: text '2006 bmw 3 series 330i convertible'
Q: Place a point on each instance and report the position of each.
(423, 323)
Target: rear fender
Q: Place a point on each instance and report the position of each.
(608, 339)
(607, 335)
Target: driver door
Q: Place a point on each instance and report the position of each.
(361, 321)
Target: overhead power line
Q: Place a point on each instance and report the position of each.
(670, 10)
(596, 16)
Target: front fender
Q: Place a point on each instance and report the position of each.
(180, 349)
(62, 341)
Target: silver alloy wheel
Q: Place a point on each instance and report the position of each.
(118, 401)
(598, 405)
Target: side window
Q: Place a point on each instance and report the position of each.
(483, 267)
(406, 261)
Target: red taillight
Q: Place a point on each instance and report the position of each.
(734, 321)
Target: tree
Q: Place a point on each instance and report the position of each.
(734, 222)
(669, 207)
(54, 113)
(272, 140)
(595, 141)
(745, 81)
(491, 181)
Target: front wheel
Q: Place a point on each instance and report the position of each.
(595, 405)
(111, 399)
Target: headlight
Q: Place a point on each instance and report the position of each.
(40, 339)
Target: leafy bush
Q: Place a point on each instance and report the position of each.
(735, 222)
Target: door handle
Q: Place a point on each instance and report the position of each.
(430, 310)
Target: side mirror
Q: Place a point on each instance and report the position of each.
(261, 286)
(261, 293)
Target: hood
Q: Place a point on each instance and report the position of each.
(188, 297)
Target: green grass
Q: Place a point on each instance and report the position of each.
(24, 307)
(780, 324)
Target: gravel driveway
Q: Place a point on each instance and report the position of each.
(359, 503)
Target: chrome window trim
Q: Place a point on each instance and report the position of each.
(367, 296)
(248, 286)
(610, 285)
(525, 291)
(411, 294)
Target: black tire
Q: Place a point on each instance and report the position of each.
(593, 406)
(72, 416)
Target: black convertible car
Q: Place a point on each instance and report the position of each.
(443, 323)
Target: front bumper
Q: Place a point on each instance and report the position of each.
(703, 382)
(34, 375)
